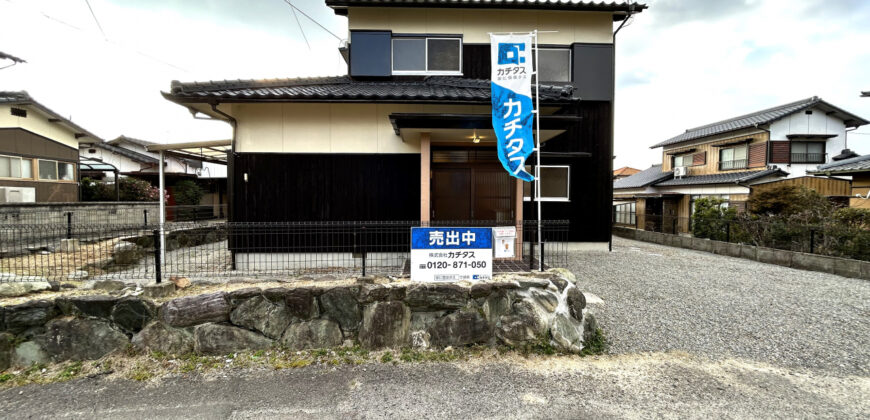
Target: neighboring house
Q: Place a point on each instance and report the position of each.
(407, 135)
(131, 158)
(38, 151)
(731, 158)
(859, 169)
(624, 172)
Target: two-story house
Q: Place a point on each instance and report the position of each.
(407, 134)
(38, 151)
(732, 158)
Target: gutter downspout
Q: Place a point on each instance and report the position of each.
(230, 173)
(613, 117)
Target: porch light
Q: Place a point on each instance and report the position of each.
(475, 138)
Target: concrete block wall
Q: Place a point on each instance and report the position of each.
(804, 261)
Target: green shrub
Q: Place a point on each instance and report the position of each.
(711, 218)
(133, 189)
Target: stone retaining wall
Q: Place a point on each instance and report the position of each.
(514, 310)
(812, 262)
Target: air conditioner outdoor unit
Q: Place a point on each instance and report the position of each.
(681, 171)
(17, 195)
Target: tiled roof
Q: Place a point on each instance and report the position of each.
(24, 99)
(765, 116)
(625, 170)
(132, 154)
(122, 139)
(643, 178)
(599, 6)
(343, 88)
(721, 178)
(855, 164)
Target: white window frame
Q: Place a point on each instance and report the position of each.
(567, 197)
(56, 170)
(570, 64)
(426, 72)
(683, 156)
(20, 160)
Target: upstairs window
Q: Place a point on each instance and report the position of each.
(809, 152)
(733, 158)
(683, 160)
(426, 56)
(555, 64)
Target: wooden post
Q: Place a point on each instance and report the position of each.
(425, 175)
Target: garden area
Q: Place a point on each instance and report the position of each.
(790, 218)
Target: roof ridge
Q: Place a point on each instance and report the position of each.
(807, 102)
(844, 162)
(177, 86)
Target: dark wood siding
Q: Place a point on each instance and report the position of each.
(593, 71)
(591, 189)
(48, 192)
(475, 61)
(20, 142)
(321, 187)
(780, 152)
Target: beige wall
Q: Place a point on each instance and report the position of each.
(712, 164)
(328, 128)
(37, 123)
(475, 24)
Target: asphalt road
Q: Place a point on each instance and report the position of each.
(693, 335)
(627, 386)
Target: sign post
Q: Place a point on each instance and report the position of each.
(446, 254)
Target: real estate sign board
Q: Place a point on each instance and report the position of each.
(446, 254)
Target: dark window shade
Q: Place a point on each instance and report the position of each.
(780, 152)
(443, 54)
(555, 65)
(370, 53)
(699, 159)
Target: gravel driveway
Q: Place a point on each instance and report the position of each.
(659, 298)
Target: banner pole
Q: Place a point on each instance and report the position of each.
(538, 154)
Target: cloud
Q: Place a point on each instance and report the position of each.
(633, 78)
(671, 12)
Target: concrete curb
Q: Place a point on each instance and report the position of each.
(811, 262)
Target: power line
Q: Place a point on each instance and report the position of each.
(300, 28)
(313, 20)
(96, 20)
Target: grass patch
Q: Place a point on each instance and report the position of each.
(70, 371)
(128, 364)
(597, 344)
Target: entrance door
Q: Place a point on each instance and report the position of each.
(451, 194)
(472, 192)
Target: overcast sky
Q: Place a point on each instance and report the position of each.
(680, 64)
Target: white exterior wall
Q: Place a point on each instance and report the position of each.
(476, 24)
(37, 123)
(816, 123)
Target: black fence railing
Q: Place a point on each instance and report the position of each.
(808, 157)
(214, 250)
(832, 240)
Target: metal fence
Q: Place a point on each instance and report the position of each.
(830, 239)
(216, 249)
